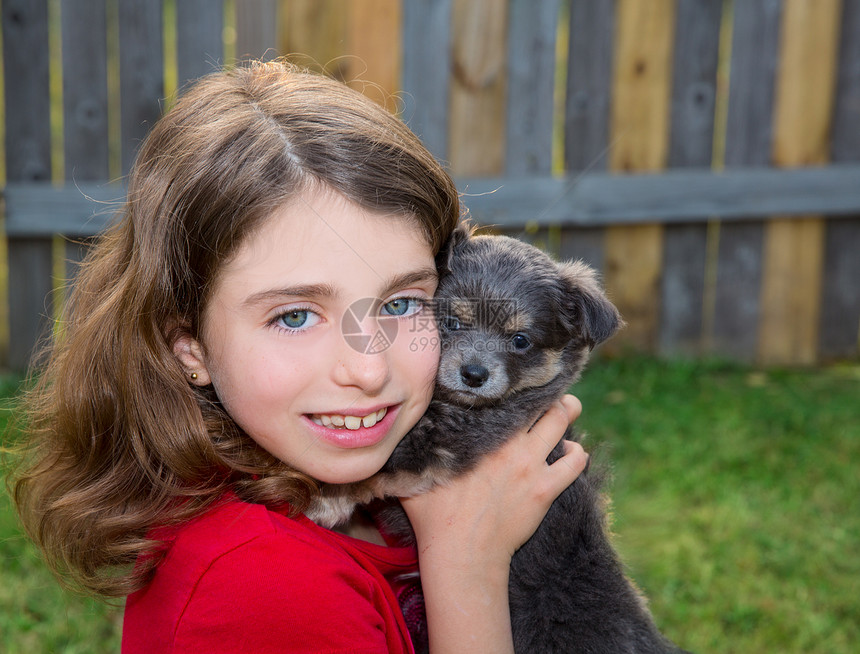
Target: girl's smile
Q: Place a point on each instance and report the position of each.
(356, 429)
(274, 348)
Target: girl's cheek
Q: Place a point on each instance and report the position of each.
(418, 349)
(424, 344)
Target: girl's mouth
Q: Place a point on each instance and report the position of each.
(340, 421)
(344, 430)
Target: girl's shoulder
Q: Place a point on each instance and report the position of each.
(246, 571)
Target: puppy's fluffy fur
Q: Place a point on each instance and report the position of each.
(516, 329)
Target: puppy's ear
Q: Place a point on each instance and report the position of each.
(597, 316)
(461, 233)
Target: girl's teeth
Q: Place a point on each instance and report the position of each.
(350, 422)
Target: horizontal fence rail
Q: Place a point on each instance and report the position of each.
(587, 200)
(675, 196)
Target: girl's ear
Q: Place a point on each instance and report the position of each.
(189, 352)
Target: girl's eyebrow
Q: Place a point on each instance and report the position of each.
(328, 291)
(314, 291)
(411, 278)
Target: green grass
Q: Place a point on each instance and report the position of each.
(734, 506)
(735, 499)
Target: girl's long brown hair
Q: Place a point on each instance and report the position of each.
(119, 442)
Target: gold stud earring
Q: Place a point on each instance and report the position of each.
(193, 375)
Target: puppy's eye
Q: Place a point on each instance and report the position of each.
(520, 341)
(451, 323)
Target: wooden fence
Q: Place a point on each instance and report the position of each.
(703, 154)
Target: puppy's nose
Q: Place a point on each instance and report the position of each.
(474, 375)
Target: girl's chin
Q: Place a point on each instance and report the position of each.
(351, 465)
(351, 475)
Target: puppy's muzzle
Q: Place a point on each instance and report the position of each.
(474, 375)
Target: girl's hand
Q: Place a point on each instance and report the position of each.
(467, 531)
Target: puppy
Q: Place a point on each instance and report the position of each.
(516, 330)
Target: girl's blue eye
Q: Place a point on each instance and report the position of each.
(297, 319)
(402, 306)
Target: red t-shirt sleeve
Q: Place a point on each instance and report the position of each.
(278, 594)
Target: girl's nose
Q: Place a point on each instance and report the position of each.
(362, 363)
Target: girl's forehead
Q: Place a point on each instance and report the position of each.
(321, 214)
(321, 233)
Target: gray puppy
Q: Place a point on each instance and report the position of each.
(516, 330)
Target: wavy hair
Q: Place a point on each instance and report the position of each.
(118, 442)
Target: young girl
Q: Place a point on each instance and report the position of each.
(202, 390)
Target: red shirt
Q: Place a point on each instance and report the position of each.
(244, 578)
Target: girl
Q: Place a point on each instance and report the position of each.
(202, 390)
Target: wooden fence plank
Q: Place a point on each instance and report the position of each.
(28, 159)
(375, 44)
(794, 250)
(791, 286)
(694, 83)
(736, 295)
(587, 244)
(86, 134)
(845, 140)
(839, 328)
(141, 73)
(806, 82)
(85, 103)
(30, 297)
(639, 134)
(476, 139)
(426, 70)
(682, 289)
(199, 38)
(591, 29)
(642, 85)
(531, 86)
(694, 91)
(256, 29)
(589, 83)
(314, 33)
(754, 58)
(26, 96)
(357, 41)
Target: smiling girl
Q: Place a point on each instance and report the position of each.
(202, 390)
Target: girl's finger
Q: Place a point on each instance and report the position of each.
(551, 427)
(573, 406)
(563, 472)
